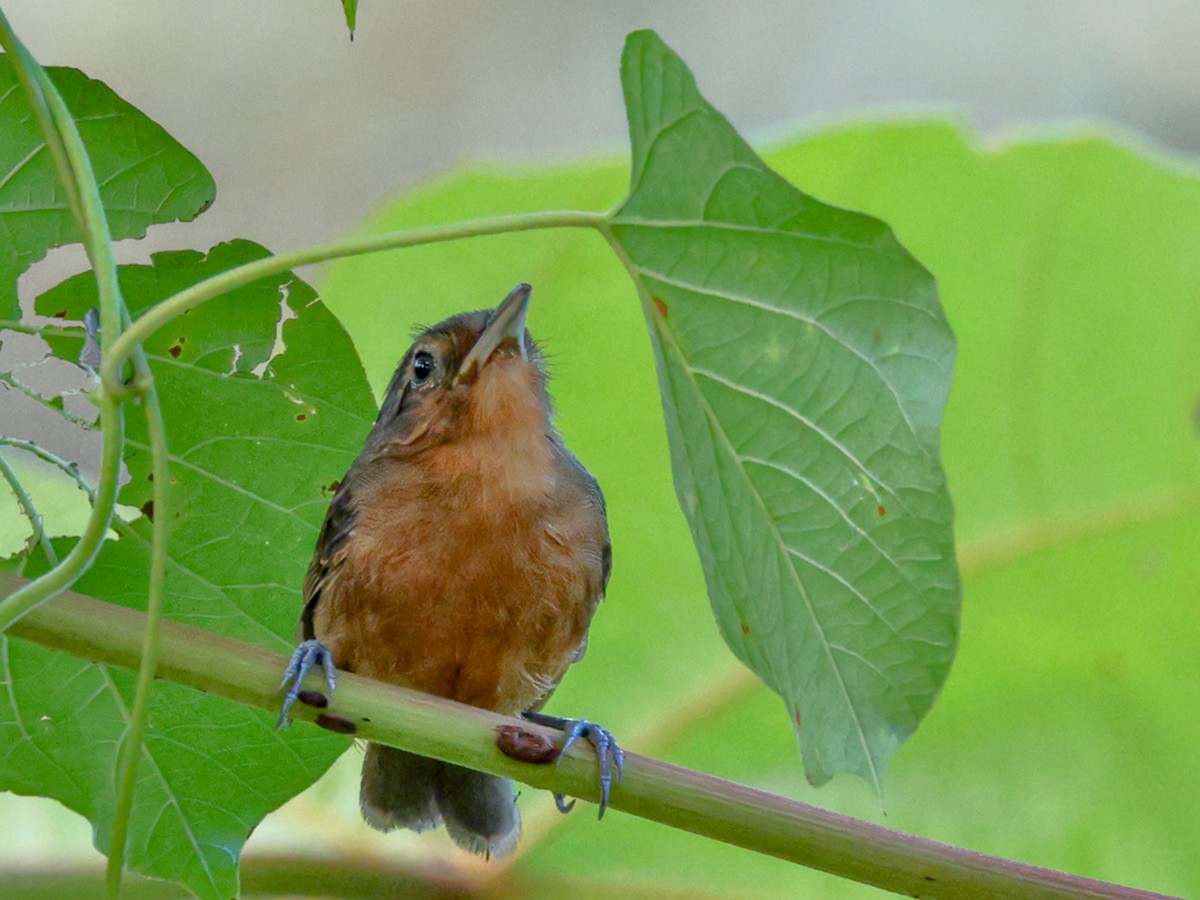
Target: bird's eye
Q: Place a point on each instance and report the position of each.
(423, 366)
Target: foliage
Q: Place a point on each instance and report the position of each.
(804, 364)
(233, 407)
(146, 177)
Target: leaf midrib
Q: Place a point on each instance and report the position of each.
(717, 429)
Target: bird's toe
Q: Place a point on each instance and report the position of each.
(610, 757)
(309, 655)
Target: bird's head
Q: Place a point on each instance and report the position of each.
(476, 374)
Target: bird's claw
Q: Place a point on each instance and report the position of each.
(308, 655)
(609, 755)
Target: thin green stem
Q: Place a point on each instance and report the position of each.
(75, 173)
(70, 468)
(40, 330)
(61, 577)
(78, 179)
(22, 388)
(31, 513)
(674, 796)
(210, 288)
(131, 747)
(97, 240)
(113, 316)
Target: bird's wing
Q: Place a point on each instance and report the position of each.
(329, 553)
(595, 498)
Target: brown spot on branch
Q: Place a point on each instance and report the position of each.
(527, 746)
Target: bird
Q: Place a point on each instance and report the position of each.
(463, 554)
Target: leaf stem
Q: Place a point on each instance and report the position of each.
(22, 388)
(210, 288)
(31, 513)
(78, 179)
(72, 165)
(70, 468)
(430, 726)
(131, 747)
(40, 330)
(20, 602)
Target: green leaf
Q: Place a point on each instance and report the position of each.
(350, 8)
(804, 363)
(256, 436)
(145, 176)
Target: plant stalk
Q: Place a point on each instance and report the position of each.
(655, 790)
(75, 173)
(51, 113)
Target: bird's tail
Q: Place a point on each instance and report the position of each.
(403, 790)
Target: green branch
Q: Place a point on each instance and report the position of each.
(131, 748)
(210, 288)
(71, 165)
(114, 316)
(20, 602)
(40, 330)
(664, 793)
(22, 388)
(75, 173)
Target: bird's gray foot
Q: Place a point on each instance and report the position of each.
(307, 656)
(609, 755)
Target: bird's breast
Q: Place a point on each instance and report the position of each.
(472, 574)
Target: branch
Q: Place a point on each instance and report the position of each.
(57, 408)
(72, 167)
(75, 173)
(40, 330)
(672, 795)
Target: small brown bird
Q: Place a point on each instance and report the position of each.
(463, 555)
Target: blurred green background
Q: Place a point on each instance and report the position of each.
(1066, 734)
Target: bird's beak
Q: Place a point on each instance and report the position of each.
(508, 321)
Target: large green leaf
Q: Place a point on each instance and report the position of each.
(145, 176)
(1065, 735)
(255, 436)
(804, 363)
